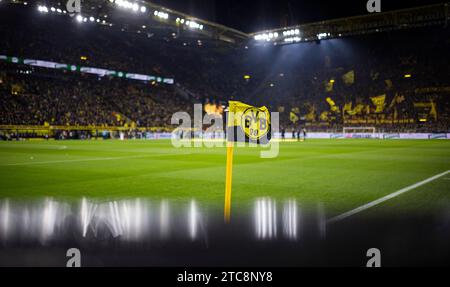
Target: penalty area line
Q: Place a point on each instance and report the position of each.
(384, 198)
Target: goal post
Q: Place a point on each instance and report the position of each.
(360, 132)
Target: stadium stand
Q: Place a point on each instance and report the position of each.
(394, 80)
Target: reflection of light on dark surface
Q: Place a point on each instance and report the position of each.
(86, 214)
(164, 219)
(321, 220)
(52, 216)
(141, 220)
(290, 217)
(127, 220)
(4, 212)
(193, 219)
(265, 218)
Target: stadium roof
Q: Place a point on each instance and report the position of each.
(146, 17)
(437, 14)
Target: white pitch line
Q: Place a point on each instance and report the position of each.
(384, 198)
(86, 159)
(69, 160)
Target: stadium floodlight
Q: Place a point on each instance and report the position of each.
(79, 18)
(53, 9)
(190, 23)
(85, 19)
(194, 25)
(59, 10)
(161, 14)
(143, 9)
(128, 5)
(292, 39)
(321, 36)
(291, 32)
(43, 9)
(92, 19)
(266, 36)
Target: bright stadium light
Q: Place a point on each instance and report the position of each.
(92, 19)
(79, 18)
(266, 36)
(292, 39)
(59, 10)
(321, 36)
(135, 7)
(43, 9)
(161, 14)
(143, 9)
(193, 24)
(53, 9)
(291, 32)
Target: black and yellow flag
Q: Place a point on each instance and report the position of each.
(349, 78)
(248, 124)
(293, 117)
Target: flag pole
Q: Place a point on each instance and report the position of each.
(228, 177)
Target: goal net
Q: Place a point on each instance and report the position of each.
(359, 130)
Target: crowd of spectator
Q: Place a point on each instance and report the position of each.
(292, 78)
(59, 98)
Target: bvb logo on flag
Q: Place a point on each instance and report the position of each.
(248, 123)
(255, 123)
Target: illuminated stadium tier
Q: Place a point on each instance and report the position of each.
(395, 80)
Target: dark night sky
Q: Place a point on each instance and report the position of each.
(256, 15)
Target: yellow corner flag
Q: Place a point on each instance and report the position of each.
(245, 123)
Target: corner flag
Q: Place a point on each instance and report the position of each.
(245, 123)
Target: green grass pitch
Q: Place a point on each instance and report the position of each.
(342, 174)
